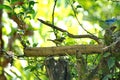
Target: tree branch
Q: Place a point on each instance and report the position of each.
(69, 34)
(62, 50)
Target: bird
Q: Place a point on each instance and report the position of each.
(110, 21)
(57, 40)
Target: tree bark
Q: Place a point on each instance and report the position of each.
(62, 50)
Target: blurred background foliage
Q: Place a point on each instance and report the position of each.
(91, 14)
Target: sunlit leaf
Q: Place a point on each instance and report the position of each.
(86, 4)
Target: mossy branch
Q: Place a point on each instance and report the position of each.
(63, 50)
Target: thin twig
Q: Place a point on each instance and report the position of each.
(54, 30)
(52, 26)
(55, 1)
(69, 34)
(77, 18)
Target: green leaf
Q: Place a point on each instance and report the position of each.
(21, 13)
(111, 62)
(106, 54)
(86, 4)
(33, 68)
(107, 77)
(28, 67)
(27, 17)
(79, 6)
(35, 44)
(31, 3)
(30, 11)
(8, 8)
(8, 0)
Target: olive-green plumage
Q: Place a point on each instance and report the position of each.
(58, 40)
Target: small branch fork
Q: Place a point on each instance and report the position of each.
(69, 34)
